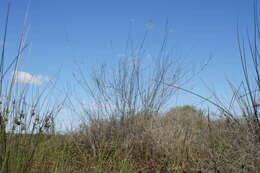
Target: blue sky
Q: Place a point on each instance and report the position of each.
(63, 32)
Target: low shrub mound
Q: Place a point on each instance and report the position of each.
(180, 139)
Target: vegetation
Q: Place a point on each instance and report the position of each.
(128, 128)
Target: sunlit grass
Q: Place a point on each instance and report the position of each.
(128, 131)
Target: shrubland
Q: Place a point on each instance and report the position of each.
(128, 126)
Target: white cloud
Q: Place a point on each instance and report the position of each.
(27, 78)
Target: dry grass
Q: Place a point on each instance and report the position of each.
(180, 140)
(164, 143)
(128, 132)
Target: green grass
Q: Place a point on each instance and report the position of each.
(208, 147)
(136, 136)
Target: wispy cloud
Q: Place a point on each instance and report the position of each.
(27, 78)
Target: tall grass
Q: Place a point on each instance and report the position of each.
(24, 120)
(128, 128)
(127, 117)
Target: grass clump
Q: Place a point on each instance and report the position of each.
(127, 128)
(25, 120)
